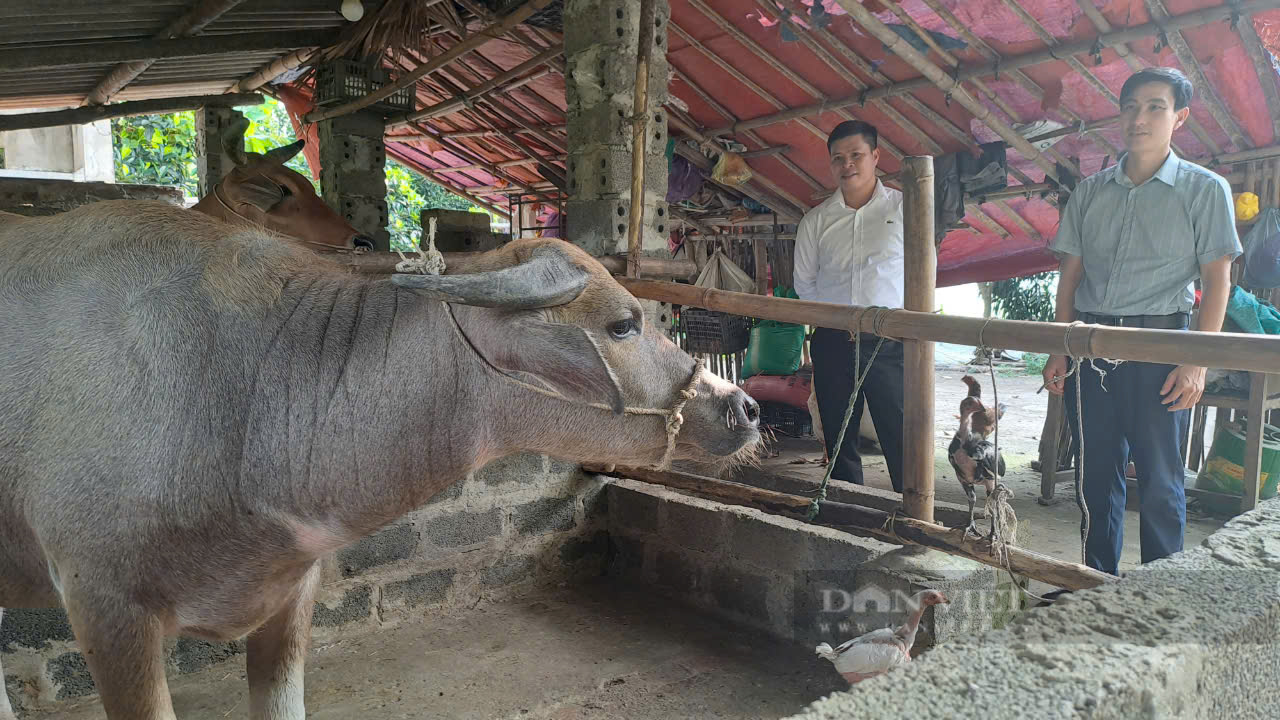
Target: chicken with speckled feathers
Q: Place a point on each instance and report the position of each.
(971, 454)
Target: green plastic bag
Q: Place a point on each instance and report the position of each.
(775, 348)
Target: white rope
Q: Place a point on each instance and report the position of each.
(428, 262)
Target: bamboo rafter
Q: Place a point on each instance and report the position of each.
(759, 51)
(750, 135)
(1160, 14)
(1018, 220)
(1008, 64)
(1135, 63)
(946, 82)
(480, 37)
(985, 220)
(811, 42)
(954, 62)
(751, 84)
(1261, 59)
(515, 77)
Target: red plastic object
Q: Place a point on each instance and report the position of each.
(785, 389)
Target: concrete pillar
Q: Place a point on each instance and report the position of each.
(601, 39)
(353, 172)
(600, 47)
(212, 162)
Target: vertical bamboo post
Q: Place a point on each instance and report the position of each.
(639, 135)
(921, 262)
(762, 266)
(1258, 389)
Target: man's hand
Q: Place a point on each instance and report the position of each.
(1183, 387)
(1055, 373)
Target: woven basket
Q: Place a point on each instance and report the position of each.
(714, 332)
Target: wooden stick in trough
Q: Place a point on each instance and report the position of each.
(1226, 351)
(639, 136)
(902, 530)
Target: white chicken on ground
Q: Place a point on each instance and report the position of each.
(879, 651)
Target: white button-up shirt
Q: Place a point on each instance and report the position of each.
(852, 257)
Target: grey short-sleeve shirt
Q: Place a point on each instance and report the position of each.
(1143, 245)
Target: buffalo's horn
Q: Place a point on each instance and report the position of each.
(284, 153)
(546, 280)
(233, 140)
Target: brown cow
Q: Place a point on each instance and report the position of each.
(262, 191)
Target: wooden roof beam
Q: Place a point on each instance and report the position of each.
(1135, 63)
(947, 83)
(1261, 58)
(190, 23)
(505, 82)
(750, 135)
(93, 113)
(1160, 14)
(474, 41)
(759, 51)
(1005, 65)
(54, 56)
(807, 39)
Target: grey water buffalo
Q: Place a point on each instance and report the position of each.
(192, 414)
(261, 191)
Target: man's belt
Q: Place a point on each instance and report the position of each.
(1172, 321)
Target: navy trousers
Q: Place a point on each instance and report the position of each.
(1126, 417)
(833, 381)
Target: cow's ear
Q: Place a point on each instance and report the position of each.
(258, 191)
(562, 357)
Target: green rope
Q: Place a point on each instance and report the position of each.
(859, 375)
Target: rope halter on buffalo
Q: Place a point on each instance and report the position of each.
(432, 263)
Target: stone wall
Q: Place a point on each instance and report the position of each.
(30, 196)
(795, 580)
(1196, 635)
(517, 523)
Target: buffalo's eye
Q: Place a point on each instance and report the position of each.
(623, 328)
(285, 191)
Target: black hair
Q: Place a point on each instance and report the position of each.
(1172, 77)
(849, 128)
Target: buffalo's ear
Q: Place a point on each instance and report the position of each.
(257, 190)
(563, 357)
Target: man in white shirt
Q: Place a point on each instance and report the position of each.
(849, 251)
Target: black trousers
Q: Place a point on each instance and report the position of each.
(833, 355)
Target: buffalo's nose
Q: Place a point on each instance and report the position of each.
(745, 409)
(362, 241)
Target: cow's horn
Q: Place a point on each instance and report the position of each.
(547, 279)
(284, 153)
(233, 140)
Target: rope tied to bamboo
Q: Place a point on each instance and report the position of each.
(859, 376)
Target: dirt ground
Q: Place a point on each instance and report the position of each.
(592, 651)
(1053, 530)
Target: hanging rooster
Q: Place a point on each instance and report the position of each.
(971, 454)
(879, 651)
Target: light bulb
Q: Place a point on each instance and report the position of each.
(352, 10)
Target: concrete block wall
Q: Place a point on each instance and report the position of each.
(518, 523)
(794, 580)
(353, 172)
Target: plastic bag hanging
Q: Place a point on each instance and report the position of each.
(721, 273)
(731, 170)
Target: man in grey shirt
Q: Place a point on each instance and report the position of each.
(1132, 240)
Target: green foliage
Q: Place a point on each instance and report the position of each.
(156, 150)
(1027, 298)
(1035, 363)
(161, 150)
